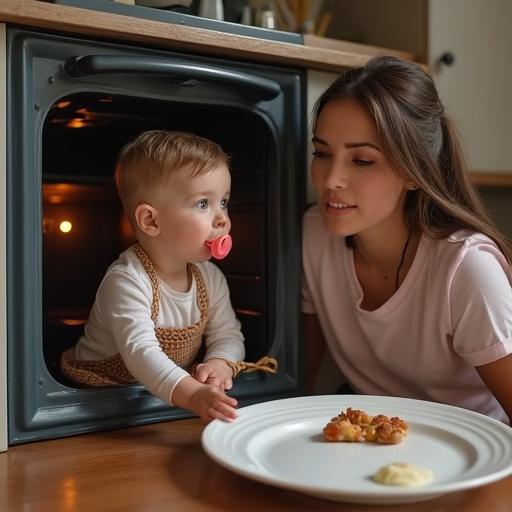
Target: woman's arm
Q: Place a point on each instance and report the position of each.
(497, 376)
(314, 349)
(481, 310)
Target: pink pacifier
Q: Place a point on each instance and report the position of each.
(220, 246)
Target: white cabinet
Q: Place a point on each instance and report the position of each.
(476, 87)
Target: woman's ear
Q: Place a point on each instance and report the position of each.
(411, 186)
(146, 219)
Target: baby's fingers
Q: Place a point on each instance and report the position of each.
(228, 400)
(222, 411)
(201, 374)
(215, 381)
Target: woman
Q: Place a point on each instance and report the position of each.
(406, 280)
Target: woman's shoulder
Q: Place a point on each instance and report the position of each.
(468, 238)
(467, 241)
(469, 251)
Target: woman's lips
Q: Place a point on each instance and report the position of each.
(338, 207)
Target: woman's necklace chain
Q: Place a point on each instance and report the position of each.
(402, 258)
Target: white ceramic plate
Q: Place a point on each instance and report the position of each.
(281, 443)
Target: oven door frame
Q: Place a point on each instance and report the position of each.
(41, 408)
(3, 238)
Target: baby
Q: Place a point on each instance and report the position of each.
(162, 296)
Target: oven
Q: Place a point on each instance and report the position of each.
(71, 105)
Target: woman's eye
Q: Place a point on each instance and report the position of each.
(320, 154)
(361, 162)
(203, 204)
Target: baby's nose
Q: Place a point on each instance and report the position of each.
(220, 221)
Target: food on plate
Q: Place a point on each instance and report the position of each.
(403, 474)
(356, 426)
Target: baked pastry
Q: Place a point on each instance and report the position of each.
(357, 426)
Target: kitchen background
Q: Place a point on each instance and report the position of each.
(464, 42)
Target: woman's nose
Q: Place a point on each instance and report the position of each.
(336, 178)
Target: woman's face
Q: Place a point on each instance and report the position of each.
(356, 187)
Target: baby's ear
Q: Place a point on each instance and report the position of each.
(145, 218)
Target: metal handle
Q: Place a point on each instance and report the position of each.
(89, 65)
(447, 58)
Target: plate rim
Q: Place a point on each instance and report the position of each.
(386, 493)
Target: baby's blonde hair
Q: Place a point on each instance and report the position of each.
(146, 163)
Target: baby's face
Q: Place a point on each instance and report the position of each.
(192, 211)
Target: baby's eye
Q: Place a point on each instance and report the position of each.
(202, 204)
(320, 154)
(224, 203)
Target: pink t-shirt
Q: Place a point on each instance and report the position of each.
(452, 312)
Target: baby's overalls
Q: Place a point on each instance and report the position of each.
(181, 345)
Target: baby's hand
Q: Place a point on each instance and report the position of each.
(210, 403)
(215, 372)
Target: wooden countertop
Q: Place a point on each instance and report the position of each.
(316, 53)
(163, 467)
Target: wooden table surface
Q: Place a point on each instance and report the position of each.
(163, 467)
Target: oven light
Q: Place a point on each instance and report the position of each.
(65, 226)
(76, 123)
(63, 104)
(72, 321)
(55, 199)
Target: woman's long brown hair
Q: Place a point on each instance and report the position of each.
(421, 144)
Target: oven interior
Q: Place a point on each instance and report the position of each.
(84, 228)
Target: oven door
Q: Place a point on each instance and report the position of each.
(72, 105)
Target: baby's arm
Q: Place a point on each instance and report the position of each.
(223, 337)
(125, 306)
(126, 302)
(208, 402)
